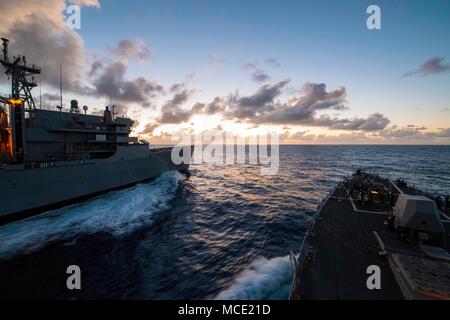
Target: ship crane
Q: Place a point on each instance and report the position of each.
(19, 72)
(13, 141)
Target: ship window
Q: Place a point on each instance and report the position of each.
(100, 137)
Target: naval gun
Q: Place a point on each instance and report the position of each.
(417, 217)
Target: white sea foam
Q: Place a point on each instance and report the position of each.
(117, 213)
(265, 279)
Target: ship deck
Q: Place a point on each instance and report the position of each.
(342, 243)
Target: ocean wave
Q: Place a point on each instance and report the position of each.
(265, 279)
(117, 213)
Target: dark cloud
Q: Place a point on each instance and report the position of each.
(265, 107)
(172, 111)
(96, 66)
(431, 66)
(111, 83)
(261, 108)
(40, 41)
(260, 76)
(51, 97)
(218, 105)
(249, 107)
(108, 76)
(256, 74)
(149, 128)
(177, 87)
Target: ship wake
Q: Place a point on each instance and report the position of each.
(265, 279)
(117, 213)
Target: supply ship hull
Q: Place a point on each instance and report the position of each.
(34, 190)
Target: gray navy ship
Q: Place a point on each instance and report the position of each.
(374, 238)
(49, 158)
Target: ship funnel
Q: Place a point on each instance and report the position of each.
(108, 116)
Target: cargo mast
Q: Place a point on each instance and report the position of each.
(20, 100)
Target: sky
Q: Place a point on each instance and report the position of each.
(310, 71)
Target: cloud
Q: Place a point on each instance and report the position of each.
(414, 133)
(39, 32)
(297, 136)
(191, 76)
(87, 3)
(266, 107)
(177, 87)
(249, 107)
(215, 59)
(256, 74)
(149, 128)
(131, 49)
(273, 62)
(393, 134)
(218, 105)
(445, 109)
(443, 133)
(46, 44)
(261, 107)
(112, 83)
(52, 97)
(431, 66)
(404, 132)
(373, 122)
(172, 111)
(249, 66)
(108, 76)
(260, 76)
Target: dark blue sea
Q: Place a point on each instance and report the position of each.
(223, 232)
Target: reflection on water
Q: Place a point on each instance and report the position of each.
(226, 232)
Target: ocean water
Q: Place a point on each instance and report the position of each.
(223, 233)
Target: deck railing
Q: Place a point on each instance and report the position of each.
(298, 261)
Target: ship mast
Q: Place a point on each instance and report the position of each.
(19, 72)
(19, 102)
